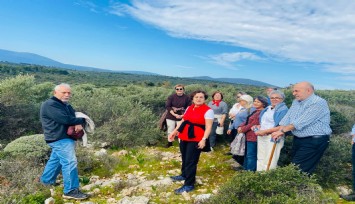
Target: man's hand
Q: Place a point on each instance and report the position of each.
(78, 128)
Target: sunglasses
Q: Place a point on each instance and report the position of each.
(179, 89)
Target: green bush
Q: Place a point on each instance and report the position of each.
(16, 90)
(281, 185)
(135, 127)
(31, 147)
(18, 179)
(334, 169)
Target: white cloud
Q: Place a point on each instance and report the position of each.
(319, 31)
(228, 59)
(342, 69)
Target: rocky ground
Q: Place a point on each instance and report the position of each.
(146, 178)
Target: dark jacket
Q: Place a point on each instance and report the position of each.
(179, 102)
(56, 117)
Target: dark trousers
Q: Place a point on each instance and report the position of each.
(353, 164)
(306, 152)
(190, 155)
(250, 156)
(213, 134)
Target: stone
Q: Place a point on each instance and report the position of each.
(49, 201)
(134, 200)
(199, 199)
(100, 153)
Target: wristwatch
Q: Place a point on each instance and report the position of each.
(204, 138)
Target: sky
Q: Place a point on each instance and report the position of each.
(277, 42)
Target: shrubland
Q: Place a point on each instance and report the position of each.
(126, 116)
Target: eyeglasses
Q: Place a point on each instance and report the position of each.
(179, 89)
(238, 96)
(277, 98)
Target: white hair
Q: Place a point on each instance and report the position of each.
(56, 88)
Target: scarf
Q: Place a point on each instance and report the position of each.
(216, 102)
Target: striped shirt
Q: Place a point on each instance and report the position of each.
(309, 117)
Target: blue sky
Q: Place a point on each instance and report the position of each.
(278, 42)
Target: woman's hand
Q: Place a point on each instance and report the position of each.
(261, 132)
(240, 130)
(229, 132)
(276, 135)
(172, 135)
(201, 144)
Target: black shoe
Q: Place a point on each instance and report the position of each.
(169, 144)
(177, 178)
(350, 197)
(238, 168)
(184, 189)
(228, 153)
(75, 194)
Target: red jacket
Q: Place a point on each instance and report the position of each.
(246, 129)
(196, 116)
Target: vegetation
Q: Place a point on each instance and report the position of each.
(126, 109)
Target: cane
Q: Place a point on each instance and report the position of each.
(271, 156)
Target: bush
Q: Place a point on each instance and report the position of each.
(31, 147)
(281, 185)
(135, 127)
(16, 90)
(19, 179)
(334, 169)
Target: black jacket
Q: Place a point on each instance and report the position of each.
(56, 117)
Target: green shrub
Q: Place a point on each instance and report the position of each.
(281, 185)
(89, 164)
(18, 179)
(31, 147)
(16, 90)
(334, 169)
(135, 125)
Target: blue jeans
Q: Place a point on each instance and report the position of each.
(62, 158)
(251, 156)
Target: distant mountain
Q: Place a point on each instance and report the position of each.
(30, 58)
(234, 81)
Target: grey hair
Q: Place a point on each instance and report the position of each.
(56, 88)
(278, 92)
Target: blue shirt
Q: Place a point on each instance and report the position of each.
(309, 117)
(241, 117)
(353, 130)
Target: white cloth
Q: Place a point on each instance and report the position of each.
(235, 109)
(89, 126)
(264, 152)
(219, 129)
(267, 120)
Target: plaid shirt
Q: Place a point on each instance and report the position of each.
(309, 117)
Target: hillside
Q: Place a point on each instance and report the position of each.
(34, 59)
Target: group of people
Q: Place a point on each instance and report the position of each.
(263, 121)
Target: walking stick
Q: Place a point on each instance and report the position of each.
(271, 156)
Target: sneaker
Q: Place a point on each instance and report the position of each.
(178, 178)
(212, 150)
(350, 197)
(184, 189)
(75, 194)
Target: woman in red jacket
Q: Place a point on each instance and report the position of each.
(250, 158)
(193, 130)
